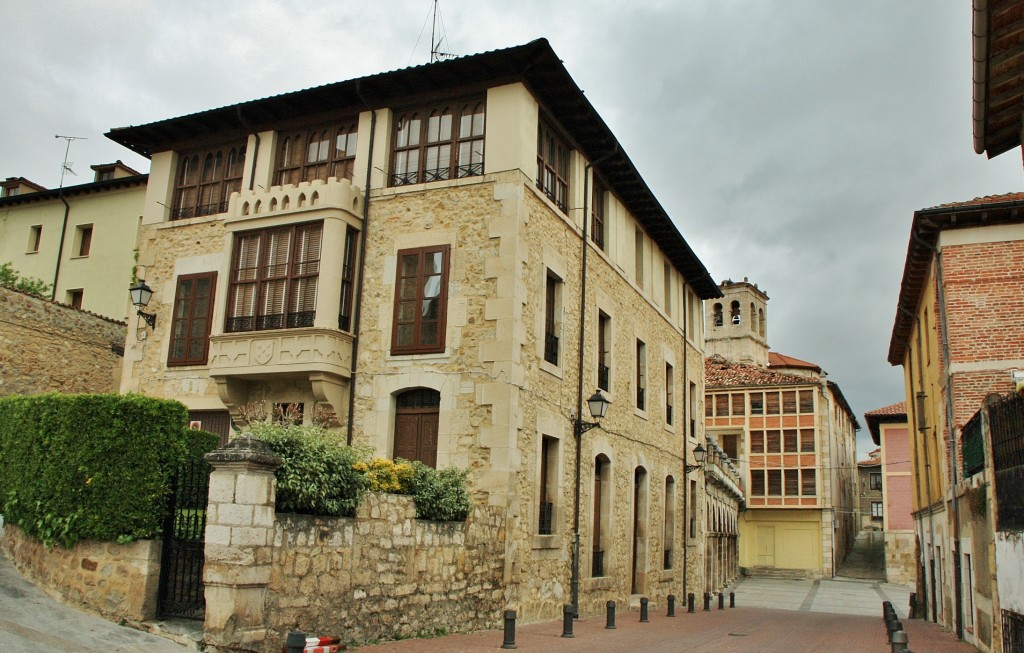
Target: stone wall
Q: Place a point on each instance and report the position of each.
(384, 574)
(119, 581)
(50, 347)
(900, 558)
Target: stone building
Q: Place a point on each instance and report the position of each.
(870, 507)
(724, 499)
(79, 239)
(890, 431)
(792, 436)
(450, 258)
(958, 342)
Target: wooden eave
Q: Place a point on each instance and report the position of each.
(998, 75)
(534, 64)
(73, 191)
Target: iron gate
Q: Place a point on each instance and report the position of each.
(181, 569)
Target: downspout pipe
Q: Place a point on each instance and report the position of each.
(358, 299)
(578, 424)
(60, 247)
(686, 425)
(247, 125)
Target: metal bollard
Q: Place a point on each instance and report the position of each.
(295, 642)
(732, 599)
(721, 600)
(886, 606)
(689, 602)
(643, 610)
(671, 605)
(510, 629)
(609, 622)
(899, 642)
(568, 612)
(891, 627)
(707, 601)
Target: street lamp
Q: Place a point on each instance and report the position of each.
(699, 455)
(598, 405)
(141, 294)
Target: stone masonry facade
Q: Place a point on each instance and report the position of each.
(49, 347)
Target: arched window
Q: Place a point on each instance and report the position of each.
(760, 322)
(438, 143)
(734, 314)
(602, 513)
(718, 315)
(753, 318)
(416, 418)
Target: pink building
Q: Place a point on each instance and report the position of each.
(889, 431)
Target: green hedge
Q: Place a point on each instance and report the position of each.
(89, 466)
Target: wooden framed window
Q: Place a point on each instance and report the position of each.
(205, 180)
(421, 300)
(73, 298)
(757, 442)
(439, 142)
(602, 490)
(35, 238)
(792, 482)
(416, 419)
(316, 153)
(598, 214)
(348, 276)
(757, 403)
(552, 165)
(757, 482)
(190, 323)
(774, 482)
(604, 351)
(274, 275)
(806, 402)
(552, 315)
(670, 392)
(806, 440)
(789, 438)
(771, 403)
(739, 404)
(807, 482)
(641, 375)
(789, 402)
(84, 239)
(548, 485)
(721, 405)
(774, 444)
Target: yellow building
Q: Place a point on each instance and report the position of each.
(79, 239)
(792, 435)
(449, 258)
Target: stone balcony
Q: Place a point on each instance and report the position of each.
(322, 357)
(308, 196)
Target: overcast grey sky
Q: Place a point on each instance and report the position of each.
(791, 140)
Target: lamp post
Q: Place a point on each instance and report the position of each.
(699, 456)
(598, 405)
(141, 294)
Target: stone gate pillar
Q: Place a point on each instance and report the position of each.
(239, 541)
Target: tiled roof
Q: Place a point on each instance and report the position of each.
(720, 373)
(896, 410)
(987, 199)
(776, 359)
(998, 75)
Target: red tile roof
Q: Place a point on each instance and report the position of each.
(986, 199)
(897, 409)
(891, 414)
(776, 359)
(720, 373)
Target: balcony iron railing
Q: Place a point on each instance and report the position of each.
(641, 398)
(547, 510)
(551, 348)
(268, 322)
(602, 376)
(199, 210)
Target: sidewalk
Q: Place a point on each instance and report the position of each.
(32, 622)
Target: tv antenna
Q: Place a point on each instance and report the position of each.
(66, 167)
(436, 40)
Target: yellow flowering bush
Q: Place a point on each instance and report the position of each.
(385, 475)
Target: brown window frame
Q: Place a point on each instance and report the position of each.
(416, 347)
(205, 179)
(296, 290)
(294, 165)
(641, 375)
(75, 297)
(184, 311)
(552, 327)
(421, 406)
(553, 159)
(598, 213)
(604, 351)
(462, 146)
(84, 239)
(35, 238)
(348, 277)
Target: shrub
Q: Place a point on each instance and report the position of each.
(88, 466)
(440, 494)
(383, 475)
(317, 475)
(28, 285)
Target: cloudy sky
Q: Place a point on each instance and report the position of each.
(791, 140)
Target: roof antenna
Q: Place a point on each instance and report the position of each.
(66, 167)
(435, 41)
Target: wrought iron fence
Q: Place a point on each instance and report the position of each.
(1006, 428)
(1013, 632)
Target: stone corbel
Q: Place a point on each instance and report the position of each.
(331, 391)
(234, 393)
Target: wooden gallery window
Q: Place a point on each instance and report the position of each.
(206, 179)
(552, 165)
(316, 153)
(274, 276)
(348, 277)
(190, 325)
(421, 300)
(438, 143)
(416, 418)
(598, 211)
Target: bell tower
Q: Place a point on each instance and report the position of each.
(736, 325)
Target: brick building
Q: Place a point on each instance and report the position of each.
(870, 507)
(890, 431)
(450, 258)
(792, 436)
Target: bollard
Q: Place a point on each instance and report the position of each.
(886, 606)
(671, 605)
(609, 622)
(913, 606)
(891, 627)
(643, 610)
(295, 642)
(707, 601)
(510, 629)
(732, 599)
(689, 602)
(721, 600)
(568, 612)
(899, 642)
